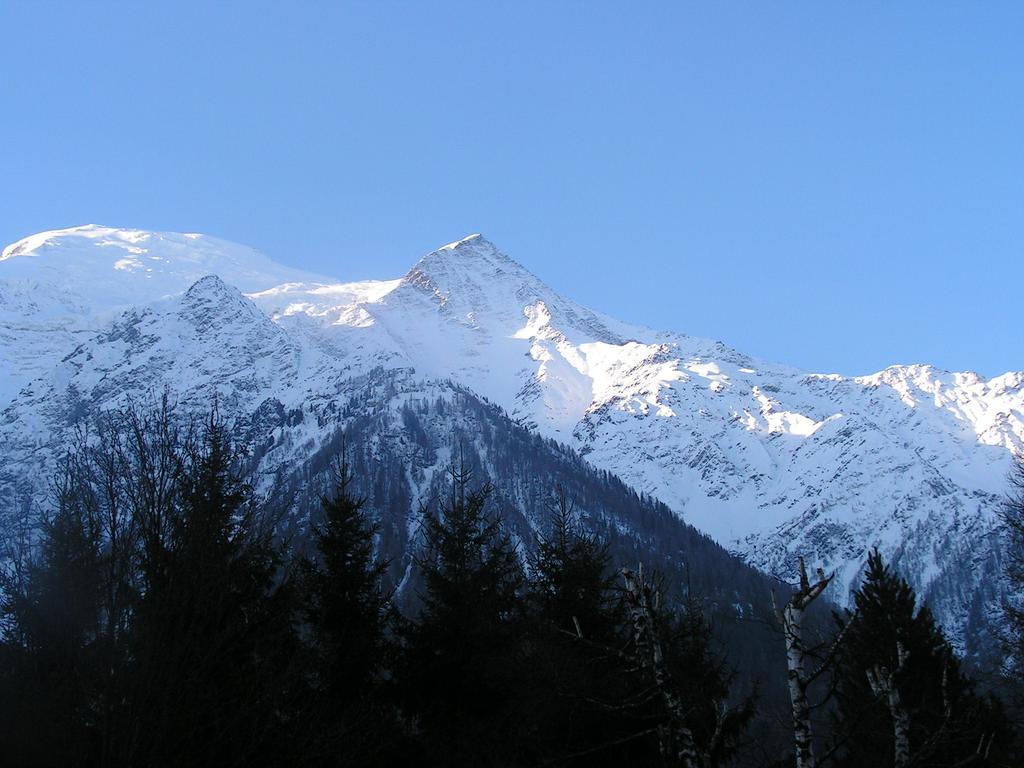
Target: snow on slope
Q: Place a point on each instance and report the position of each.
(464, 311)
(772, 460)
(58, 288)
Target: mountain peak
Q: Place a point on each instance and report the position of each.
(470, 258)
(474, 275)
(472, 252)
(468, 239)
(210, 285)
(32, 244)
(127, 266)
(211, 297)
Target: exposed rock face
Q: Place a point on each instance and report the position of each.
(770, 461)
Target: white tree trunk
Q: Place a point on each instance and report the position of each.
(883, 684)
(676, 740)
(802, 737)
(792, 617)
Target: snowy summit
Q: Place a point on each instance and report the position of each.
(769, 460)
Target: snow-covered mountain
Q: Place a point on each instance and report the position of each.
(770, 460)
(59, 288)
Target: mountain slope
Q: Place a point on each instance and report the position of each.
(58, 288)
(293, 407)
(772, 460)
(769, 460)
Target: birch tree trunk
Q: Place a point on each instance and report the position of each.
(676, 740)
(791, 618)
(883, 684)
(803, 741)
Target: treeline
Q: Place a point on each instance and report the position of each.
(161, 618)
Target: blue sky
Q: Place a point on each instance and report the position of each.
(839, 186)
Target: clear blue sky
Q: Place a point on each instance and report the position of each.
(834, 185)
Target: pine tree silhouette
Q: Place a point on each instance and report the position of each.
(51, 661)
(212, 623)
(462, 664)
(578, 675)
(347, 615)
(901, 696)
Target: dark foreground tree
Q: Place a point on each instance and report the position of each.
(150, 624)
(1013, 518)
(902, 697)
(347, 615)
(579, 676)
(804, 664)
(1012, 682)
(213, 623)
(461, 673)
(158, 619)
(51, 660)
(686, 687)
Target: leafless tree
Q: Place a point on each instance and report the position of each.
(791, 618)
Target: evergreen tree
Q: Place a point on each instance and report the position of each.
(346, 607)
(704, 680)
(51, 668)
(347, 615)
(685, 688)
(150, 624)
(462, 669)
(1013, 518)
(572, 586)
(212, 627)
(902, 698)
(579, 678)
(1012, 681)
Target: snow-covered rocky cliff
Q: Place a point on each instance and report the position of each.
(770, 461)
